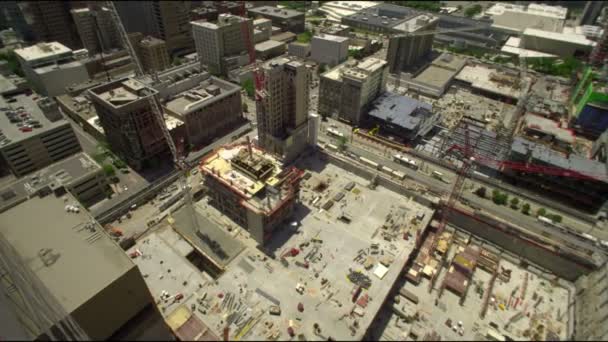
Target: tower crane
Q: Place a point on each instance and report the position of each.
(178, 159)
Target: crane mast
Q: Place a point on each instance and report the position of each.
(179, 160)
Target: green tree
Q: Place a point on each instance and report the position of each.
(342, 142)
(525, 209)
(119, 163)
(108, 170)
(245, 107)
(556, 218)
(481, 192)
(12, 62)
(177, 61)
(304, 37)
(321, 69)
(541, 212)
(473, 10)
(248, 86)
(514, 202)
(356, 53)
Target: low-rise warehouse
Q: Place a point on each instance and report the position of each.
(402, 116)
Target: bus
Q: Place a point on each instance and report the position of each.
(403, 160)
(334, 132)
(438, 175)
(399, 175)
(369, 163)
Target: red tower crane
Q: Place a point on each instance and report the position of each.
(469, 158)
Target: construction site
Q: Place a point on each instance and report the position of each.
(338, 258)
(482, 294)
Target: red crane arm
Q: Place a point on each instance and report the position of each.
(529, 168)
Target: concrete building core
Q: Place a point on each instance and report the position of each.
(32, 138)
(348, 90)
(207, 110)
(251, 188)
(282, 108)
(223, 45)
(131, 129)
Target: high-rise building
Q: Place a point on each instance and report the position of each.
(153, 54)
(208, 110)
(223, 45)
(406, 50)
(599, 54)
(12, 17)
(130, 126)
(591, 11)
(51, 21)
(96, 29)
(282, 110)
(349, 89)
(166, 20)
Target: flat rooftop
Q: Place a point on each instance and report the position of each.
(400, 110)
(329, 37)
(25, 108)
(122, 92)
(150, 41)
(357, 70)
(492, 80)
(42, 51)
(211, 90)
(513, 46)
(573, 162)
(442, 70)
(81, 261)
(223, 19)
(548, 126)
(65, 171)
(283, 13)
(268, 45)
(572, 38)
(557, 12)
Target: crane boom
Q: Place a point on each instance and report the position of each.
(157, 112)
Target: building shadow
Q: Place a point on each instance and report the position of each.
(285, 231)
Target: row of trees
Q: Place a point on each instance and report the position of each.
(500, 198)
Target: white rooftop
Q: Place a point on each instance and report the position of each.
(557, 12)
(513, 44)
(42, 50)
(572, 38)
(330, 37)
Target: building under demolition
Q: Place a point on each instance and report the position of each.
(251, 188)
